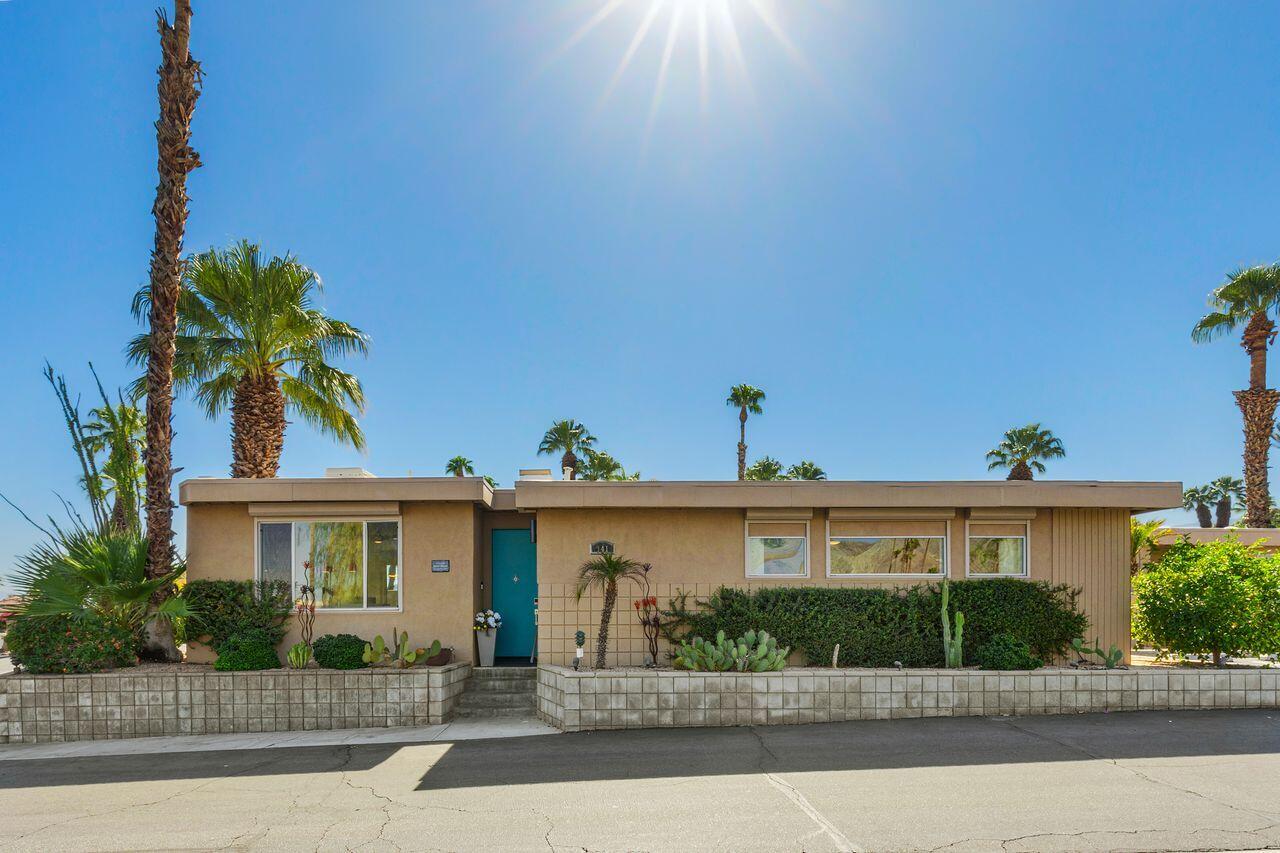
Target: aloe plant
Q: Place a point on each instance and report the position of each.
(952, 640)
(751, 652)
(299, 656)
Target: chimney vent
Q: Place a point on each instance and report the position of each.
(345, 473)
(535, 473)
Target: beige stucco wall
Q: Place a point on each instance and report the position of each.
(698, 550)
(220, 545)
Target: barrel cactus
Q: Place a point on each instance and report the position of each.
(752, 652)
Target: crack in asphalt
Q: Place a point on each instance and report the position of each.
(843, 844)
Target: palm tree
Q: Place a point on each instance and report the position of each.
(119, 431)
(493, 484)
(766, 468)
(1199, 498)
(459, 466)
(605, 572)
(746, 399)
(250, 339)
(1022, 449)
(568, 438)
(178, 89)
(1143, 537)
(1247, 299)
(602, 466)
(806, 470)
(1226, 491)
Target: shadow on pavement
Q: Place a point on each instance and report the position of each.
(671, 753)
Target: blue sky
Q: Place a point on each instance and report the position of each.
(914, 225)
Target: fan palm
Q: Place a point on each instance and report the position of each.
(605, 572)
(1226, 492)
(805, 470)
(746, 399)
(1199, 498)
(1022, 449)
(459, 466)
(766, 468)
(1143, 537)
(602, 466)
(119, 430)
(1248, 299)
(568, 438)
(80, 570)
(250, 339)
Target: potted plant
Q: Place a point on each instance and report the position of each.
(486, 625)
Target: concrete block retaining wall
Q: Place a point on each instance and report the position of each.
(641, 698)
(127, 703)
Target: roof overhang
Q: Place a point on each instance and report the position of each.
(210, 490)
(1090, 494)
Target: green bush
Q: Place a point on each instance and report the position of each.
(251, 650)
(339, 651)
(225, 609)
(69, 644)
(1220, 597)
(878, 627)
(1006, 652)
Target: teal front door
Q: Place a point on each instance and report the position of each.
(515, 587)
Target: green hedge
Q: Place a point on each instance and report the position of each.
(878, 627)
(224, 609)
(339, 651)
(251, 650)
(69, 644)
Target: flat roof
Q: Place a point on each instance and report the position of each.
(713, 494)
(1201, 535)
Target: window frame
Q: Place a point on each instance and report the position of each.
(746, 547)
(946, 557)
(1026, 548)
(364, 579)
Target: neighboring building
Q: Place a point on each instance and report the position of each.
(1266, 538)
(423, 554)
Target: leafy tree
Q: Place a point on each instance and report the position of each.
(1226, 491)
(251, 340)
(178, 89)
(1199, 498)
(1248, 299)
(1022, 449)
(766, 468)
(459, 466)
(746, 399)
(1143, 537)
(605, 572)
(805, 470)
(568, 438)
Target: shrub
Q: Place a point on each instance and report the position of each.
(225, 609)
(1220, 597)
(251, 650)
(339, 651)
(878, 627)
(1006, 652)
(69, 644)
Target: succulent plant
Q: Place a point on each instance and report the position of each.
(752, 652)
(299, 656)
(952, 641)
(374, 652)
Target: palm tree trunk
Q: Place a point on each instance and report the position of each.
(602, 641)
(742, 444)
(178, 89)
(570, 461)
(257, 427)
(1203, 516)
(1020, 471)
(1222, 511)
(1258, 335)
(1258, 407)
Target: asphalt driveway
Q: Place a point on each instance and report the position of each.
(1136, 781)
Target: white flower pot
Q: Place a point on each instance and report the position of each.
(485, 641)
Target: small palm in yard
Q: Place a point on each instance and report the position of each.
(746, 399)
(806, 470)
(1248, 299)
(605, 573)
(1143, 536)
(766, 468)
(1022, 450)
(250, 338)
(1226, 493)
(459, 466)
(568, 438)
(1199, 499)
(119, 431)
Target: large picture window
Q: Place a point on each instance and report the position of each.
(998, 550)
(888, 555)
(777, 549)
(353, 565)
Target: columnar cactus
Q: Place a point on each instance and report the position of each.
(751, 652)
(952, 643)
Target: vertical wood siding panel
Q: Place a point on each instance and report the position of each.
(1090, 551)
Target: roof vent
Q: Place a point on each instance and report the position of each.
(345, 473)
(535, 473)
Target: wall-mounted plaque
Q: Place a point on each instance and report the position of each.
(601, 547)
(439, 565)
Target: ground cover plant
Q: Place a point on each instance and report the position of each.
(1006, 652)
(882, 627)
(340, 651)
(248, 651)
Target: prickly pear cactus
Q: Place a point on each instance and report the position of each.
(752, 652)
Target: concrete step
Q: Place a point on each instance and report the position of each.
(528, 673)
(476, 713)
(502, 685)
(496, 700)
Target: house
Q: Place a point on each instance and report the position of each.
(423, 554)
(1266, 538)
